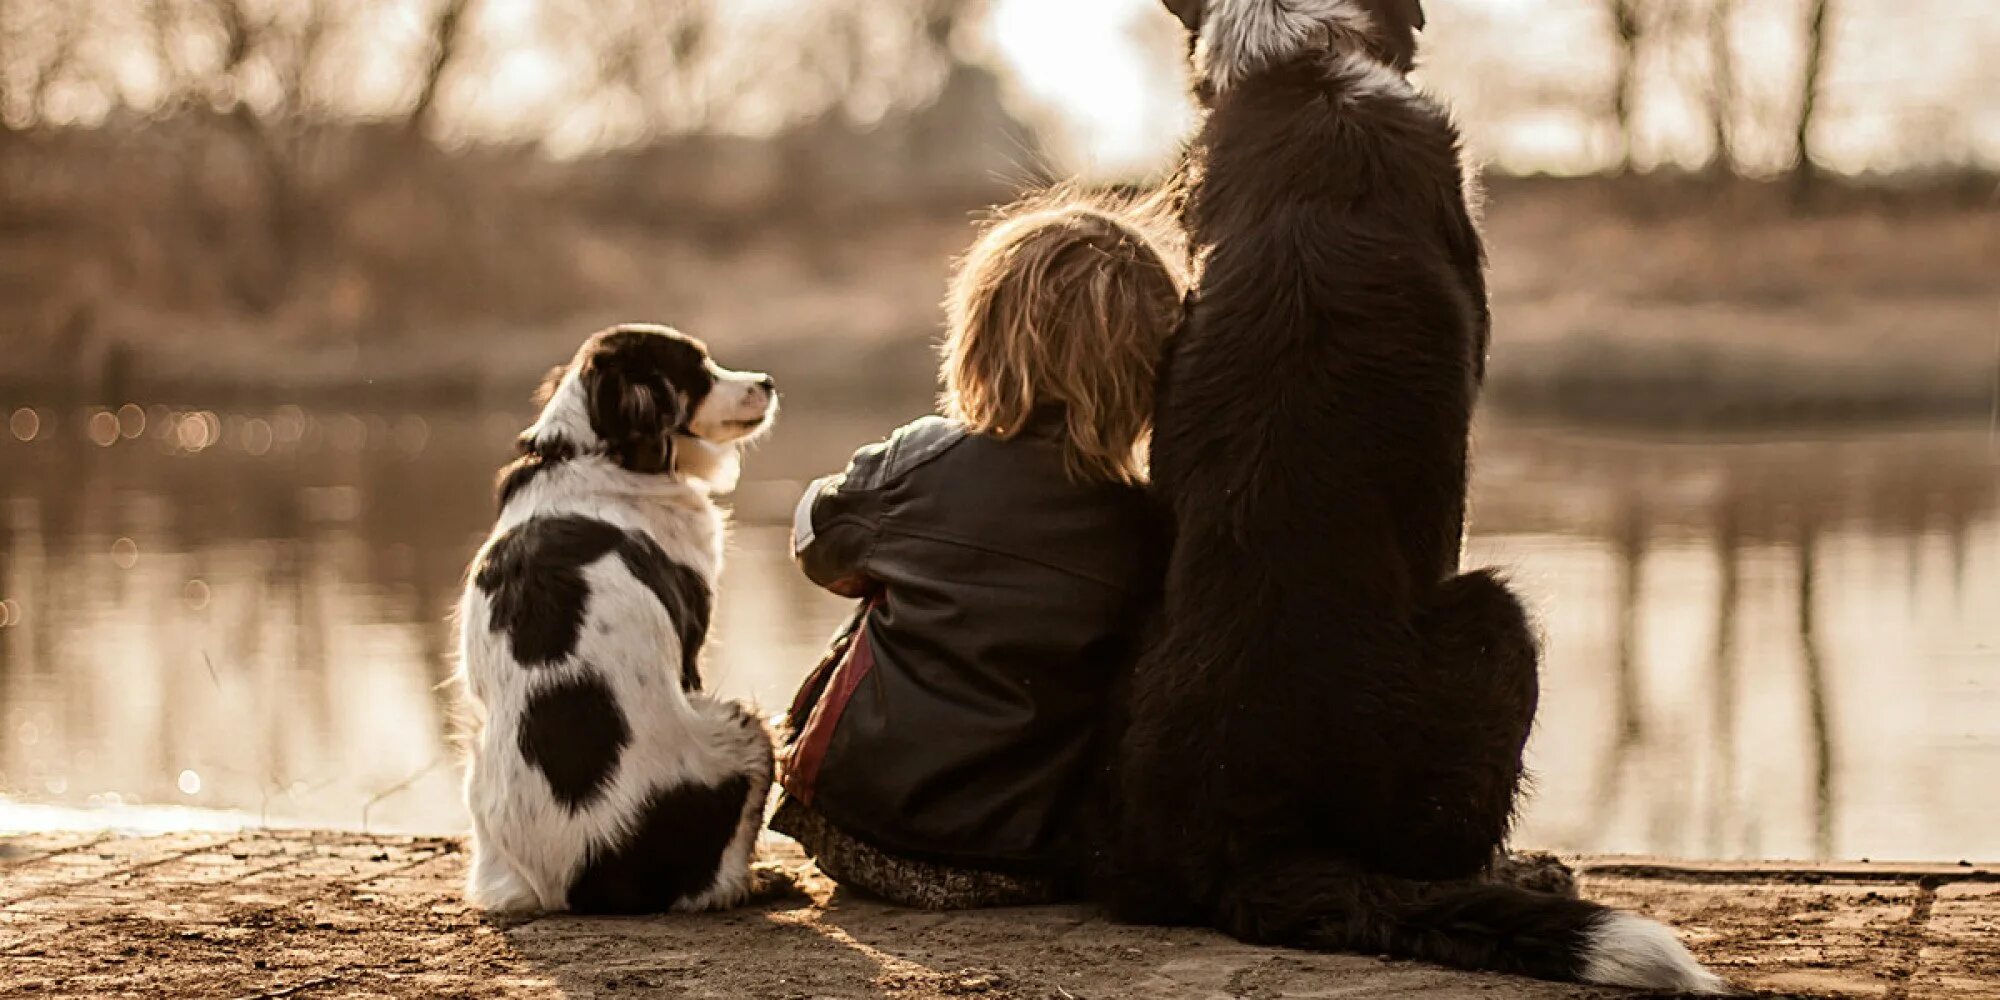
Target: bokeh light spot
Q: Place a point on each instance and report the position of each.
(258, 436)
(125, 552)
(131, 421)
(289, 424)
(103, 428)
(190, 783)
(196, 594)
(25, 423)
(412, 434)
(198, 431)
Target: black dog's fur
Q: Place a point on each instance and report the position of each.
(1324, 740)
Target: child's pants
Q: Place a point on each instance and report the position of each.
(907, 881)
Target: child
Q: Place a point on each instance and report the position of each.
(1005, 551)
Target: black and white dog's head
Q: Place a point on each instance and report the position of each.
(1230, 39)
(650, 399)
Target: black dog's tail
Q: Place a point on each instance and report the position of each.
(1328, 906)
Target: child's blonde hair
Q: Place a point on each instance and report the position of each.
(1062, 302)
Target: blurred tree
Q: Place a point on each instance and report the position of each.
(647, 59)
(448, 31)
(943, 18)
(1721, 89)
(260, 70)
(6, 67)
(1805, 172)
(42, 42)
(1628, 31)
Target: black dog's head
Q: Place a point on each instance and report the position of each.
(1190, 13)
(633, 391)
(1228, 38)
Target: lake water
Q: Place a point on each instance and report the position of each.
(1756, 648)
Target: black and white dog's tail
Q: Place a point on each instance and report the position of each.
(1328, 906)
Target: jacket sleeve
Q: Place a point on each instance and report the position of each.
(840, 517)
(835, 526)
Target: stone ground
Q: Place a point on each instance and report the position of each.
(302, 914)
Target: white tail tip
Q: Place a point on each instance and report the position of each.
(1625, 950)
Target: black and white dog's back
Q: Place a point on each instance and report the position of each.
(602, 779)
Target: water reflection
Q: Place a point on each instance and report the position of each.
(1783, 664)
(1815, 687)
(1755, 649)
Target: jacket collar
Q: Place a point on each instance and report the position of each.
(1049, 420)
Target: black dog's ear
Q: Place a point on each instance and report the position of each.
(635, 416)
(1397, 24)
(1192, 12)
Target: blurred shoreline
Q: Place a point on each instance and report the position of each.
(1644, 299)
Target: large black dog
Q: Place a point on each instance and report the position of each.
(1324, 740)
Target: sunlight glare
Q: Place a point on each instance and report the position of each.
(1086, 62)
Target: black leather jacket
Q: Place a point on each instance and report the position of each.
(958, 718)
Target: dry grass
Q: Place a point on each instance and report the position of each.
(1672, 301)
(378, 266)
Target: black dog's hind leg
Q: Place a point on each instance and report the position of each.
(1149, 861)
(1477, 686)
(1536, 871)
(1143, 855)
(1306, 902)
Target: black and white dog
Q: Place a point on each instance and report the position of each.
(1323, 743)
(602, 779)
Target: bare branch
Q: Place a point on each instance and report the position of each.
(6, 64)
(1805, 173)
(1722, 88)
(1628, 31)
(65, 26)
(449, 29)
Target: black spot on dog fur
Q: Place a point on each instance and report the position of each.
(674, 851)
(533, 577)
(573, 733)
(681, 590)
(536, 458)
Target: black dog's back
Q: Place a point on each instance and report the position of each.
(1325, 686)
(1340, 318)
(1322, 743)
(1311, 446)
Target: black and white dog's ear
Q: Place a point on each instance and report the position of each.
(550, 383)
(635, 416)
(1192, 12)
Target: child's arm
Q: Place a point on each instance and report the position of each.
(840, 517)
(835, 525)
